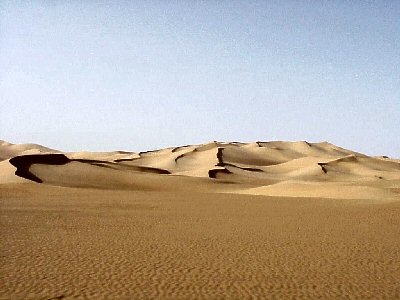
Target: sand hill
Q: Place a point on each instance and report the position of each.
(264, 220)
(292, 169)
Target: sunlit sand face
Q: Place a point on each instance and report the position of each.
(211, 221)
(293, 169)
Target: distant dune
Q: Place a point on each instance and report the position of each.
(263, 220)
(290, 169)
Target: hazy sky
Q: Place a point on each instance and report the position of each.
(139, 75)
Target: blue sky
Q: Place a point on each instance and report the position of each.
(140, 75)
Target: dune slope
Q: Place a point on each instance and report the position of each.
(263, 220)
(291, 169)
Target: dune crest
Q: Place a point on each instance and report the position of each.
(8, 150)
(277, 168)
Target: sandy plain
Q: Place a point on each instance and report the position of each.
(291, 221)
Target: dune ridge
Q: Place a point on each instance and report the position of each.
(9, 150)
(275, 168)
(261, 220)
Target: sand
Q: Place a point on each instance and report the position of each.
(276, 220)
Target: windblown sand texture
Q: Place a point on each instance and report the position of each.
(212, 221)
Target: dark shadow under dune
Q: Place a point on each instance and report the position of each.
(179, 148)
(125, 159)
(220, 155)
(242, 168)
(180, 156)
(322, 165)
(214, 172)
(149, 170)
(23, 163)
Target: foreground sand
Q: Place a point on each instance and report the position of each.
(60, 243)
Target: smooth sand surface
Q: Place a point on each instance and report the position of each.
(276, 220)
(292, 169)
(84, 243)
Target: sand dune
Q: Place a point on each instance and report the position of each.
(8, 150)
(262, 220)
(325, 190)
(261, 168)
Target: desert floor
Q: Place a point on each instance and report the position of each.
(60, 243)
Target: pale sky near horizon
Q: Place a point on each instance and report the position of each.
(140, 75)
